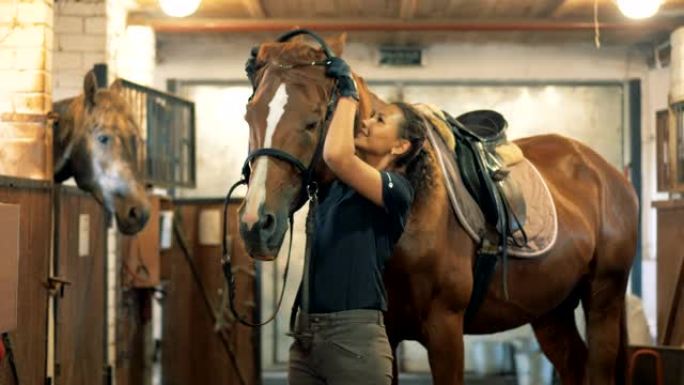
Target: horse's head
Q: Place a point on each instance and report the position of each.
(288, 112)
(101, 153)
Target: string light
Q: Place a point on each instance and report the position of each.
(179, 8)
(639, 9)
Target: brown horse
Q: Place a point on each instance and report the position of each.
(430, 276)
(95, 141)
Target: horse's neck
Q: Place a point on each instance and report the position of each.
(63, 134)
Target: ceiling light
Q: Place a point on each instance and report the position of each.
(639, 9)
(179, 8)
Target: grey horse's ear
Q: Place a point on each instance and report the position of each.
(89, 89)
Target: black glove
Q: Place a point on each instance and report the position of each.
(338, 69)
(251, 65)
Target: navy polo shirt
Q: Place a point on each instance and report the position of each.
(354, 238)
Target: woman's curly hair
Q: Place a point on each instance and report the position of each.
(417, 160)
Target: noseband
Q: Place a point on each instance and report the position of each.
(309, 187)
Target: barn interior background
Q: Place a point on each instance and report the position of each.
(83, 304)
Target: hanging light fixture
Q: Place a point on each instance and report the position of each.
(179, 8)
(639, 9)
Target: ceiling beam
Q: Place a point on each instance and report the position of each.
(255, 8)
(383, 25)
(407, 9)
(550, 9)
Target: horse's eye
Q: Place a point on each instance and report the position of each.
(311, 126)
(103, 139)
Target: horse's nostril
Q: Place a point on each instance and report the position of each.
(268, 223)
(134, 213)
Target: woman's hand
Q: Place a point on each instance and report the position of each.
(338, 69)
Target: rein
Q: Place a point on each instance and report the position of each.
(309, 188)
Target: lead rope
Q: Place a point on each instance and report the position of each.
(228, 267)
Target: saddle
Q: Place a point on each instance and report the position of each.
(481, 145)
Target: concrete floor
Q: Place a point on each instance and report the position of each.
(280, 378)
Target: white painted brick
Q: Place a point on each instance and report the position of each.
(80, 43)
(69, 24)
(31, 58)
(61, 93)
(7, 56)
(34, 12)
(96, 25)
(24, 36)
(5, 104)
(82, 8)
(49, 38)
(24, 81)
(31, 103)
(90, 59)
(68, 60)
(69, 79)
(48, 60)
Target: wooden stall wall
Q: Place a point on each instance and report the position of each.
(80, 309)
(670, 272)
(192, 352)
(29, 339)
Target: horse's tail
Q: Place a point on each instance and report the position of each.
(622, 364)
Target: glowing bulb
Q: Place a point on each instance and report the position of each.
(179, 8)
(639, 9)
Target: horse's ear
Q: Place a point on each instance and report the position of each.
(337, 43)
(117, 86)
(89, 89)
(365, 100)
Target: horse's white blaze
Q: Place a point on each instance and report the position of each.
(256, 195)
(112, 179)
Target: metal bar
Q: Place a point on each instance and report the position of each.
(170, 130)
(635, 172)
(153, 92)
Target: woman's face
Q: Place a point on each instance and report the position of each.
(379, 134)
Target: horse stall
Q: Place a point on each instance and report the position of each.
(202, 342)
(27, 340)
(80, 303)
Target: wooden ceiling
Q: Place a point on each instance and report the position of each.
(526, 21)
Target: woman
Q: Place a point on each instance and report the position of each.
(358, 221)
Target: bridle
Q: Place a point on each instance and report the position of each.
(309, 187)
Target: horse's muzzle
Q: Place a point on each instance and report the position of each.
(132, 219)
(263, 236)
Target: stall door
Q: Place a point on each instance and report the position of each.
(80, 310)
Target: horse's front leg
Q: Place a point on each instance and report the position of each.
(443, 334)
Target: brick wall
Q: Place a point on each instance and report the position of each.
(26, 41)
(80, 42)
(88, 32)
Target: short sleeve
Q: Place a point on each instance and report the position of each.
(397, 194)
